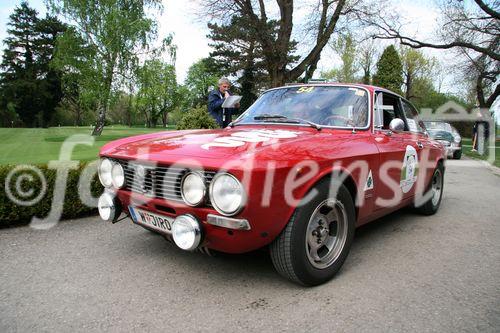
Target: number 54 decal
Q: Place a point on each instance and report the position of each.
(304, 90)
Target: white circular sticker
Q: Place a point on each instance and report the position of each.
(409, 170)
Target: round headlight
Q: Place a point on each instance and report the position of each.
(227, 194)
(186, 232)
(457, 138)
(104, 172)
(108, 207)
(193, 188)
(117, 175)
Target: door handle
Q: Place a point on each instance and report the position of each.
(420, 145)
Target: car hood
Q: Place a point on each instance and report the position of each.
(212, 144)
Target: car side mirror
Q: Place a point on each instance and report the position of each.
(397, 125)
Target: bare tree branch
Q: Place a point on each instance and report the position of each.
(411, 42)
(323, 37)
(488, 10)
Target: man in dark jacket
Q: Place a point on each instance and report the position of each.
(215, 100)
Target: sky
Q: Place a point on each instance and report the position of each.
(179, 18)
(189, 32)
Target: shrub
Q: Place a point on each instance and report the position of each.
(175, 116)
(12, 213)
(197, 118)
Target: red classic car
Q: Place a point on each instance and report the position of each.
(297, 172)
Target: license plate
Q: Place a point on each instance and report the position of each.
(157, 222)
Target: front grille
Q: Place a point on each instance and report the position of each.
(157, 181)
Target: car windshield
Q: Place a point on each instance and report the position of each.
(323, 105)
(437, 126)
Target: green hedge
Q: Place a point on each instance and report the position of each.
(197, 118)
(12, 213)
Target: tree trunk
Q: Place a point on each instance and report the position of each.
(99, 126)
(78, 119)
(408, 83)
(148, 123)
(129, 109)
(164, 118)
(129, 112)
(101, 119)
(311, 69)
(277, 77)
(366, 76)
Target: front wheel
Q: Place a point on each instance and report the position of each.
(316, 241)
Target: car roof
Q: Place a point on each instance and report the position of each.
(368, 87)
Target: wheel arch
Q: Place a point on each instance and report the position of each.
(345, 178)
(348, 181)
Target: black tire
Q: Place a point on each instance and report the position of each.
(291, 252)
(431, 206)
(457, 155)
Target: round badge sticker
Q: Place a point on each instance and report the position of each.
(409, 171)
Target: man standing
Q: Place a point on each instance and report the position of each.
(215, 100)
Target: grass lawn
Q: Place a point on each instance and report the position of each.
(467, 146)
(40, 145)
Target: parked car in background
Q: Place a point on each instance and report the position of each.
(446, 135)
(297, 172)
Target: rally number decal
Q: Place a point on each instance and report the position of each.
(302, 90)
(240, 138)
(409, 171)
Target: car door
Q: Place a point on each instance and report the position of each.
(392, 150)
(415, 136)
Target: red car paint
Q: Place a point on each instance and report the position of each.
(330, 148)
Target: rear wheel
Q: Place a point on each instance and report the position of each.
(435, 192)
(316, 241)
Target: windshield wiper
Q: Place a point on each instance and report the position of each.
(266, 116)
(310, 123)
(285, 119)
(233, 123)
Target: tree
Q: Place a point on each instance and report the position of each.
(415, 66)
(389, 70)
(277, 44)
(29, 85)
(202, 76)
(483, 73)
(472, 31)
(117, 31)
(18, 64)
(121, 111)
(70, 111)
(367, 59)
(158, 93)
(80, 67)
(237, 54)
(9, 116)
(346, 49)
(50, 86)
